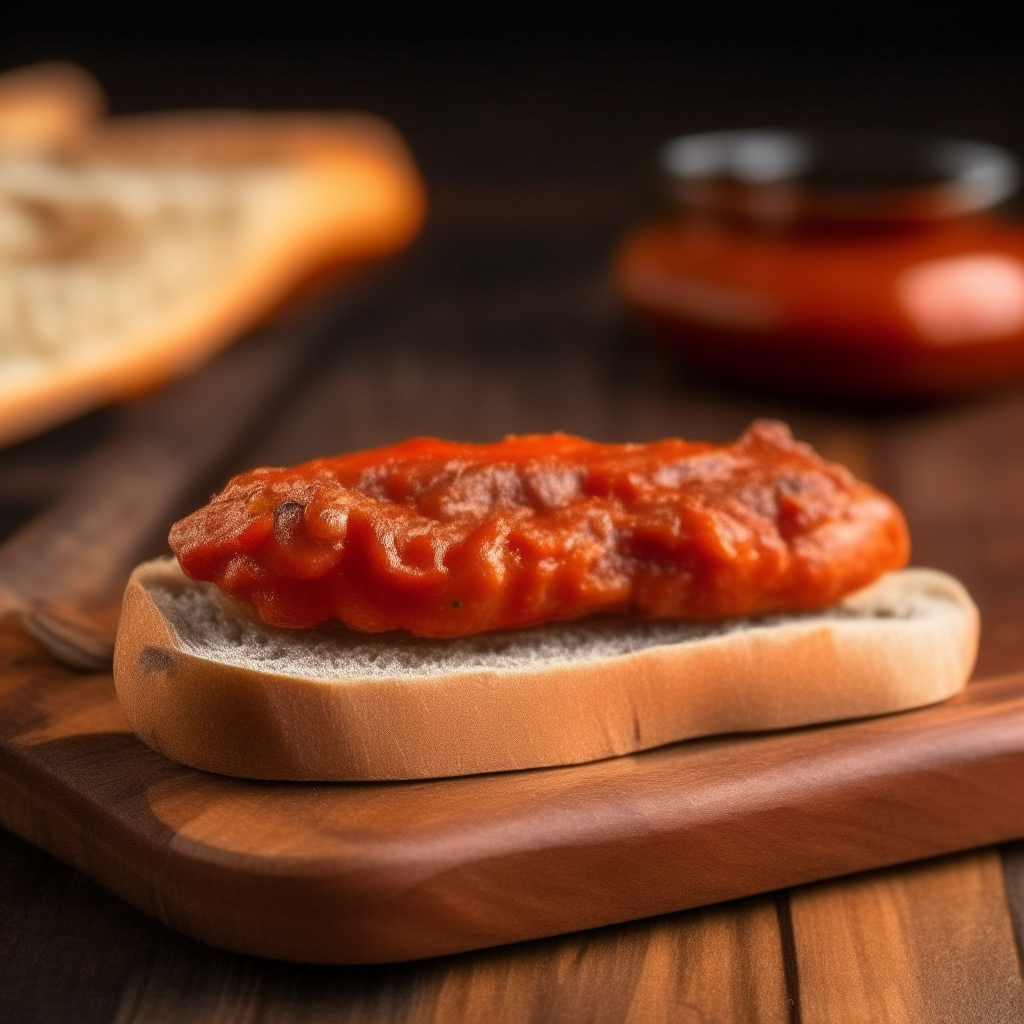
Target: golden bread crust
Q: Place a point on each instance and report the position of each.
(45, 106)
(258, 724)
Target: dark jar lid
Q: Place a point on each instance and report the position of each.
(778, 179)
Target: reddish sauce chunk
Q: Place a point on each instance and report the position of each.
(445, 539)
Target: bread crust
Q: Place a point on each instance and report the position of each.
(350, 192)
(258, 724)
(46, 106)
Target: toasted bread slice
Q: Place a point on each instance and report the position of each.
(206, 683)
(131, 252)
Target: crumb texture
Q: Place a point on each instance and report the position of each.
(210, 625)
(92, 253)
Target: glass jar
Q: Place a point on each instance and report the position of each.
(865, 267)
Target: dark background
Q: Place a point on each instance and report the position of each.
(488, 92)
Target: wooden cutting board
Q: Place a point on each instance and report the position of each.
(365, 873)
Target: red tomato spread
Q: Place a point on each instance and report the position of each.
(445, 539)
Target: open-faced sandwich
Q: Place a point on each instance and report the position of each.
(433, 609)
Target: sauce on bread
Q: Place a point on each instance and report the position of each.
(444, 539)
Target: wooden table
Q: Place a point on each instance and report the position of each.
(502, 320)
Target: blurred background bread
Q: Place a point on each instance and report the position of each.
(132, 249)
(45, 105)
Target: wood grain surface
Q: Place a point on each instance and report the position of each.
(370, 873)
(61, 934)
(934, 943)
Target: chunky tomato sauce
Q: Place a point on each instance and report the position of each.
(445, 539)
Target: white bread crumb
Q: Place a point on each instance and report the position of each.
(211, 625)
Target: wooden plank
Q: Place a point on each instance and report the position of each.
(929, 943)
(717, 964)
(370, 873)
(1013, 877)
(65, 941)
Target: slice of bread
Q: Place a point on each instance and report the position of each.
(206, 683)
(133, 249)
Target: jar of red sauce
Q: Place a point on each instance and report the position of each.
(870, 268)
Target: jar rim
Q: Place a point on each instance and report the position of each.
(780, 177)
